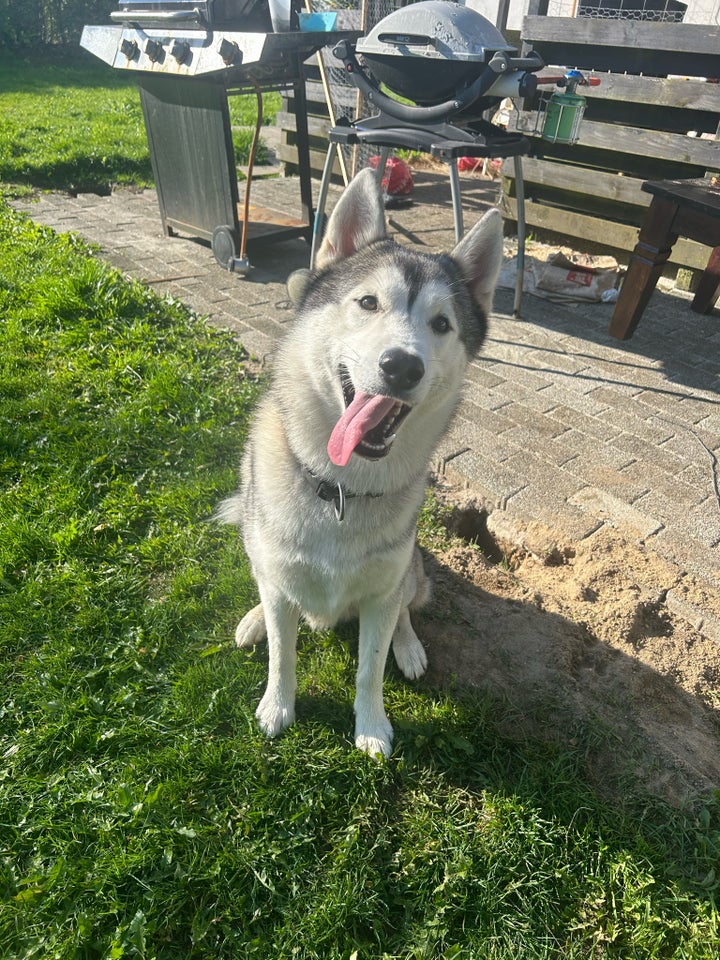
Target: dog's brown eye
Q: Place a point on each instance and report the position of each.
(368, 302)
(440, 324)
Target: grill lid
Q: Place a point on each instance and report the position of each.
(434, 30)
(430, 50)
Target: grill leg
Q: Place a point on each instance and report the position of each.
(319, 224)
(303, 148)
(384, 154)
(456, 200)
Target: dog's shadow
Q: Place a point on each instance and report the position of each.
(559, 682)
(538, 678)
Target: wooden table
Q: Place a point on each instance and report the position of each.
(679, 208)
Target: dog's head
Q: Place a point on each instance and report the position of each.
(397, 326)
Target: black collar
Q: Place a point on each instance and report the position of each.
(330, 491)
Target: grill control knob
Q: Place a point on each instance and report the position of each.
(230, 52)
(154, 51)
(129, 48)
(180, 50)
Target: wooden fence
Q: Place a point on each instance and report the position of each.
(654, 116)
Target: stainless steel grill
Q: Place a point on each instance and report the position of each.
(187, 56)
(232, 41)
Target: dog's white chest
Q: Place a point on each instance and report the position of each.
(329, 577)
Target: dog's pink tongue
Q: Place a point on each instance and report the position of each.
(364, 413)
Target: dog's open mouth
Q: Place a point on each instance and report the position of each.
(368, 425)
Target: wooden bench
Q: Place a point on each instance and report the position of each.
(679, 208)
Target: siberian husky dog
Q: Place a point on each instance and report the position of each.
(335, 468)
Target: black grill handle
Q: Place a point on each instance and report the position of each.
(407, 39)
(532, 62)
(345, 51)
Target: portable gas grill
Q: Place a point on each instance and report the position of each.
(187, 56)
(447, 58)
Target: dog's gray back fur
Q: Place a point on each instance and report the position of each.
(369, 296)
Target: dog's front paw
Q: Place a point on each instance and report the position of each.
(375, 741)
(251, 629)
(274, 714)
(374, 746)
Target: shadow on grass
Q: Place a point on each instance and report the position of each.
(82, 175)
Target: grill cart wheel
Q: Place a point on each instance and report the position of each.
(224, 246)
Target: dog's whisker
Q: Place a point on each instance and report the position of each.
(351, 357)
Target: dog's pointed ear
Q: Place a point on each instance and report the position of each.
(357, 220)
(480, 255)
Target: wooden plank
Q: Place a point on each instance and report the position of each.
(625, 46)
(288, 155)
(646, 35)
(567, 222)
(342, 96)
(616, 236)
(637, 141)
(658, 91)
(583, 180)
(317, 126)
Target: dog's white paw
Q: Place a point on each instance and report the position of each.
(409, 653)
(251, 629)
(375, 740)
(374, 746)
(274, 714)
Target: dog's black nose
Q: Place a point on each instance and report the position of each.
(401, 369)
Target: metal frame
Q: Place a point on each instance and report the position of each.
(429, 141)
(191, 151)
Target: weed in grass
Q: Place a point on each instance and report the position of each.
(433, 524)
(142, 815)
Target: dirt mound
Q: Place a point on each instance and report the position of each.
(601, 635)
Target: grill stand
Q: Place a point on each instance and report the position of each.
(443, 141)
(191, 151)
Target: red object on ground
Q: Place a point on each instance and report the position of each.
(398, 179)
(471, 164)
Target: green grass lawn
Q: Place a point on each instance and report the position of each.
(142, 815)
(141, 812)
(75, 123)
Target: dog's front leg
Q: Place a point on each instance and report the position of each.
(373, 732)
(276, 710)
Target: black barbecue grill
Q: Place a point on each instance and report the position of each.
(187, 56)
